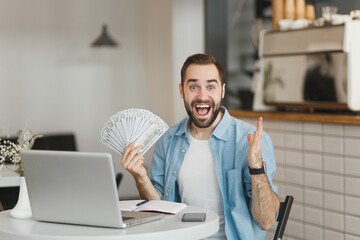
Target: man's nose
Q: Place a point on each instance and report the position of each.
(203, 93)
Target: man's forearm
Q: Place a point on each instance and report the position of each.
(146, 189)
(265, 203)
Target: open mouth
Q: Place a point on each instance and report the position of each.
(202, 109)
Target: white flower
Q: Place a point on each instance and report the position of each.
(10, 151)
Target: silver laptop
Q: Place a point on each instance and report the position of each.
(76, 188)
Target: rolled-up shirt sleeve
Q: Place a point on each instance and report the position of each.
(267, 154)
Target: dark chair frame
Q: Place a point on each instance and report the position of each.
(283, 216)
(118, 178)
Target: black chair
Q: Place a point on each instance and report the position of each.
(119, 176)
(283, 216)
(60, 142)
(57, 142)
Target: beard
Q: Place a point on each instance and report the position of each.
(203, 123)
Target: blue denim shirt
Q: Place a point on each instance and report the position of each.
(229, 146)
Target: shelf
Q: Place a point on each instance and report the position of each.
(302, 117)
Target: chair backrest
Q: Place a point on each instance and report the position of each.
(283, 216)
(119, 176)
(59, 142)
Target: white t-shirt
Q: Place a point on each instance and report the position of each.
(198, 183)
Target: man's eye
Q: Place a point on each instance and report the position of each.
(193, 87)
(211, 87)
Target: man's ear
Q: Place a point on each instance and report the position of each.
(181, 91)
(223, 91)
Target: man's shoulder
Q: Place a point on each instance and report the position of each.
(246, 127)
(170, 135)
(178, 128)
(242, 125)
(173, 130)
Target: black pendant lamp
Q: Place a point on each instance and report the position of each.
(104, 40)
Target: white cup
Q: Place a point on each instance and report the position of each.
(284, 24)
(328, 12)
(299, 24)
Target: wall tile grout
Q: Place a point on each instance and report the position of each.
(343, 150)
(303, 176)
(306, 189)
(323, 179)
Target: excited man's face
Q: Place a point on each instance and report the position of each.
(202, 93)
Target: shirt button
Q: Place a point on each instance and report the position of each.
(174, 172)
(167, 194)
(183, 151)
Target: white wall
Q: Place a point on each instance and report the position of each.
(52, 78)
(188, 39)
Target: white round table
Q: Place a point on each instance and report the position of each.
(169, 227)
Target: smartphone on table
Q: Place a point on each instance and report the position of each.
(194, 217)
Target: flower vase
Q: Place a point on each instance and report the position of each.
(22, 208)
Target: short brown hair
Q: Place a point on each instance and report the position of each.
(202, 59)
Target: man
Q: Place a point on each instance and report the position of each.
(206, 159)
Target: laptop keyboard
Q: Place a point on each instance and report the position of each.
(127, 218)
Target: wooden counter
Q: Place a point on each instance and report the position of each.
(305, 117)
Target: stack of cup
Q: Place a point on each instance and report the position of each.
(277, 13)
(290, 9)
(287, 13)
(300, 9)
(310, 12)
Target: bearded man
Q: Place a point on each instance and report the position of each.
(211, 159)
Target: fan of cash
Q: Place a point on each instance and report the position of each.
(132, 125)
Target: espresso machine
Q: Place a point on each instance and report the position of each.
(311, 68)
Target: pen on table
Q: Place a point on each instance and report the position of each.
(141, 203)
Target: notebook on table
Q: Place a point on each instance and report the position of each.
(76, 188)
(152, 206)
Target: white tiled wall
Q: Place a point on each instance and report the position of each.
(319, 164)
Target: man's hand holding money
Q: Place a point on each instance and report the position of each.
(133, 162)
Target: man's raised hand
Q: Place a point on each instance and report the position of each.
(254, 152)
